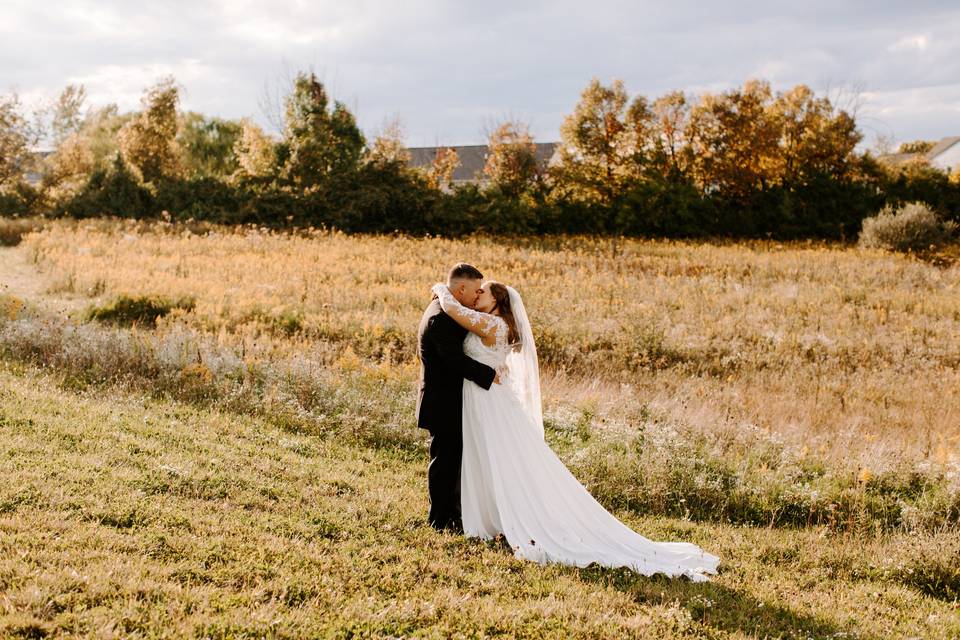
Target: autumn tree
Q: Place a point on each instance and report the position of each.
(72, 160)
(735, 141)
(671, 115)
(100, 131)
(511, 159)
(68, 167)
(255, 151)
(816, 139)
(388, 145)
(318, 140)
(604, 143)
(916, 146)
(148, 143)
(17, 135)
(83, 145)
(66, 113)
(445, 163)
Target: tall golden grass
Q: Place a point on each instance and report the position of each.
(848, 353)
(694, 388)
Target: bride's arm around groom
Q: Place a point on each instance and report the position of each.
(444, 366)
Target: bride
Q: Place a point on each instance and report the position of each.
(513, 483)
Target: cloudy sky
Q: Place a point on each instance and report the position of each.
(450, 69)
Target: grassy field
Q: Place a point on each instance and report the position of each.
(122, 515)
(247, 465)
(825, 345)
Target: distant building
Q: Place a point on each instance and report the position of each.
(474, 157)
(943, 155)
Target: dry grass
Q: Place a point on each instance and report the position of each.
(250, 468)
(12, 230)
(125, 516)
(847, 352)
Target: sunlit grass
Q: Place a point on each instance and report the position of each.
(250, 466)
(847, 352)
(123, 515)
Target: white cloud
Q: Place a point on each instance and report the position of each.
(125, 84)
(447, 67)
(928, 113)
(910, 43)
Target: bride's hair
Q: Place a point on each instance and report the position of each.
(502, 297)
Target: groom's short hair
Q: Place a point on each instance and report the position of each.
(462, 270)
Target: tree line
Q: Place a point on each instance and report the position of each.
(748, 162)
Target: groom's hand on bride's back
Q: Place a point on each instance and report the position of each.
(496, 379)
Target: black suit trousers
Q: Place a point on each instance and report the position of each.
(443, 477)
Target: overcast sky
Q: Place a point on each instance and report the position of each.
(448, 69)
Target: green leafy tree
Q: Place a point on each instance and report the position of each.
(101, 132)
(113, 190)
(208, 145)
(319, 141)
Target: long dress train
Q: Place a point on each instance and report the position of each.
(513, 483)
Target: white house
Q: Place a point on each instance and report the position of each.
(943, 155)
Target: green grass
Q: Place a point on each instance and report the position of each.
(122, 514)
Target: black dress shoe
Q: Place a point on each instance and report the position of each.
(455, 526)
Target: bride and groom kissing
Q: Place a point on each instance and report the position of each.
(491, 472)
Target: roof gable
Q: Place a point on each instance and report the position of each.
(942, 146)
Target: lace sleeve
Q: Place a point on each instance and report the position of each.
(484, 325)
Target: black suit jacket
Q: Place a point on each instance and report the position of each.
(443, 367)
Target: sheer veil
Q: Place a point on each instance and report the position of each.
(523, 368)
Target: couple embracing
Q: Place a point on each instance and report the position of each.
(491, 472)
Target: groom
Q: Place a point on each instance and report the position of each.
(439, 404)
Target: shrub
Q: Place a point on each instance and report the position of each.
(200, 198)
(111, 192)
(658, 208)
(126, 310)
(12, 230)
(912, 227)
(21, 199)
(922, 183)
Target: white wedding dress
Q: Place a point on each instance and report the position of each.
(513, 483)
